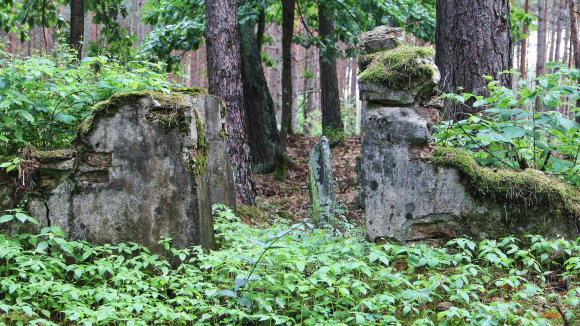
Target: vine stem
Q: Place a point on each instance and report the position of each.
(268, 248)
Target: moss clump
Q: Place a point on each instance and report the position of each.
(110, 106)
(521, 189)
(399, 66)
(54, 154)
(191, 90)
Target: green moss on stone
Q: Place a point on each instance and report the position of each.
(197, 164)
(396, 67)
(191, 90)
(111, 106)
(523, 189)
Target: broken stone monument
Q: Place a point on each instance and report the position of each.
(144, 166)
(414, 191)
(321, 184)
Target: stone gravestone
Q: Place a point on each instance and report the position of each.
(321, 183)
(414, 191)
(144, 166)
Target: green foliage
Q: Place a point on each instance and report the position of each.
(416, 17)
(43, 98)
(354, 17)
(518, 17)
(115, 41)
(300, 276)
(178, 25)
(510, 133)
(22, 16)
(314, 119)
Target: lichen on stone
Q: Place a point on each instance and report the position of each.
(399, 66)
(522, 189)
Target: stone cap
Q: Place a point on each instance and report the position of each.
(401, 76)
(381, 38)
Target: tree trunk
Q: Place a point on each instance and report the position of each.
(225, 81)
(574, 46)
(287, 32)
(561, 12)
(524, 48)
(260, 32)
(262, 130)
(542, 29)
(309, 89)
(472, 39)
(554, 21)
(329, 97)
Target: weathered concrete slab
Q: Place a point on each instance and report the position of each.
(321, 183)
(145, 166)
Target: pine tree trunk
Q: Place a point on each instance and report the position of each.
(574, 46)
(561, 11)
(330, 99)
(309, 91)
(555, 10)
(472, 39)
(287, 32)
(296, 63)
(262, 130)
(225, 81)
(523, 44)
(542, 29)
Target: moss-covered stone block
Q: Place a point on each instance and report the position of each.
(144, 166)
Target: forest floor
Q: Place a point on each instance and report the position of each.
(289, 199)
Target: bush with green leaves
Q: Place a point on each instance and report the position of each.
(44, 97)
(511, 133)
(304, 277)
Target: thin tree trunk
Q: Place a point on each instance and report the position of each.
(541, 55)
(225, 81)
(574, 46)
(555, 10)
(561, 11)
(330, 99)
(296, 65)
(542, 28)
(309, 94)
(287, 32)
(77, 26)
(566, 46)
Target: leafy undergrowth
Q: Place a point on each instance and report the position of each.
(289, 199)
(306, 277)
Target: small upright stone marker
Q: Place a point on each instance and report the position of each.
(321, 183)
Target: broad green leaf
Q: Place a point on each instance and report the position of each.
(228, 293)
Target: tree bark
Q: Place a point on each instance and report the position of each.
(561, 12)
(542, 29)
(309, 89)
(262, 130)
(472, 39)
(261, 29)
(329, 97)
(225, 81)
(524, 48)
(574, 46)
(554, 21)
(287, 32)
